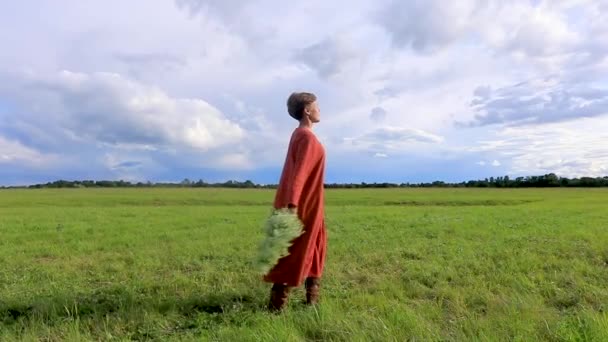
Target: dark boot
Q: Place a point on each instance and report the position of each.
(312, 290)
(279, 294)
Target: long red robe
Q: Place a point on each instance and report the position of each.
(301, 185)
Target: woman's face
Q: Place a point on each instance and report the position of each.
(313, 111)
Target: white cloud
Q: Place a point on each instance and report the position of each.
(522, 28)
(127, 165)
(539, 101)
(14, 153)
(494, 163)
(397, 140)
(239, 161)
(429, 25)
(571, 149)
(110, 109)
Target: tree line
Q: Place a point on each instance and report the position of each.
(186, 183)
(544, 181)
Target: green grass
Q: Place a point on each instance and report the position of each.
(403, 264)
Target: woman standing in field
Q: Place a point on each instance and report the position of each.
(301, 190)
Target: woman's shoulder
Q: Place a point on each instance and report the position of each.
(304, 132)
(305, 135)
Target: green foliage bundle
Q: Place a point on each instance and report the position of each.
(280, 229)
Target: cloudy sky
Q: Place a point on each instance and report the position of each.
(409, 90)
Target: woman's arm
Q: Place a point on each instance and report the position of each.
(305, 159)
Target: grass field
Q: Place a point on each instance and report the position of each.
(403, 264)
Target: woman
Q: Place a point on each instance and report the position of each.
(301, 190)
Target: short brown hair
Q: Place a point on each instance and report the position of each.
(297, 102)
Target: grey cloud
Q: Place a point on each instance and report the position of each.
(225, 8)
(378, 114)
(238, 16)
(150, 66)
(417, 79)
(538, 102)
(387, 92)
(328, 57)
(163, 60)
(384, 139)
(394, 134)
(427, 26)
(128, 165)
(482, 92)
(538, 32)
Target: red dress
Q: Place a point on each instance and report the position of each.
(301, 185)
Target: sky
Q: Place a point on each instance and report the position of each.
(409, 91)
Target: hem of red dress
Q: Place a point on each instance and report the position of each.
(279, 281)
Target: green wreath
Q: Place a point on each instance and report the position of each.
(280, 229)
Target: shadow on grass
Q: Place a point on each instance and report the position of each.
(462, 203)
(218, 304)
(121, 301)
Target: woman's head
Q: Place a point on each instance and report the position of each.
(303, 106)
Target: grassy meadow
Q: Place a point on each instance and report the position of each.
(403, 264)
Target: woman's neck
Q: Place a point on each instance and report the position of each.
(305, 124)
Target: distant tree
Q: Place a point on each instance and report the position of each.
(547, 180)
